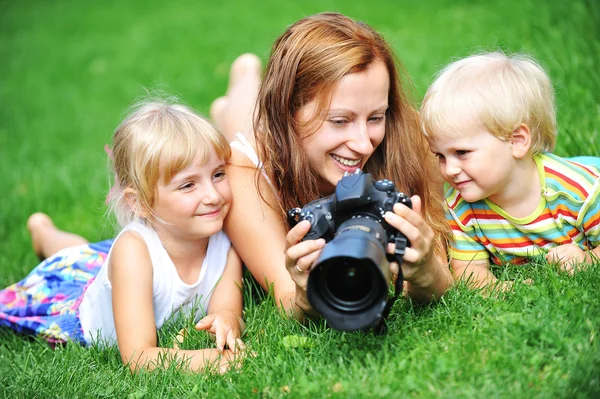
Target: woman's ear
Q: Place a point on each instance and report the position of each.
(521, 141)
(133, 201)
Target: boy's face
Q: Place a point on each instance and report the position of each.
(476, 163)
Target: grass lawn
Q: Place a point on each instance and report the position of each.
(69, 70)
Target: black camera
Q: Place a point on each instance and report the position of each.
(349, 283)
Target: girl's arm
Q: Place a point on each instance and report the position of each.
(258, 232)
(224, 317)
(130, 273)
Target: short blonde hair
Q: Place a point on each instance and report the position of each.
(157, 140)
(500, 91)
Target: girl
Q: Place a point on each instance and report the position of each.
(171, 195)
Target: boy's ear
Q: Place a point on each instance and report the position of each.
(521, 141)
(132, 200)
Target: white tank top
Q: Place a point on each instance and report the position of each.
(170, 294)
(243, 145)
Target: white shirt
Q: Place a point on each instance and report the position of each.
(169, 293)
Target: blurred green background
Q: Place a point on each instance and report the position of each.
(69, 69)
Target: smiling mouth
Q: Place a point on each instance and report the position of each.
(462, 183)
(346, 162)
(211, 214)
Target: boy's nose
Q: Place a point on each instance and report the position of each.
(452, 168)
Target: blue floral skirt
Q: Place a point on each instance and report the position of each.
(46, 302)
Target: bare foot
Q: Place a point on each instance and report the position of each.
(233, 113)
(47, 239)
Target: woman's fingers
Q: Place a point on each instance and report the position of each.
(304, 254)
(295, 235)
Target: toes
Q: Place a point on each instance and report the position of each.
(38, 220)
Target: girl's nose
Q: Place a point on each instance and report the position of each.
(211, 195)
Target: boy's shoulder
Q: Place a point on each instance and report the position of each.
(563, 176)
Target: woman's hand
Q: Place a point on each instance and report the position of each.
(226, 327)
(420, 254)
(300, 257)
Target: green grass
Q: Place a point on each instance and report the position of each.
(69, 70)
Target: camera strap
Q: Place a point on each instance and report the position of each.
(397, 256)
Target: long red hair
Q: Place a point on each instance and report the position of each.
(306, 64)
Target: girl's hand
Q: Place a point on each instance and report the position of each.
(227, 329)
(410, 222)
(566, 256)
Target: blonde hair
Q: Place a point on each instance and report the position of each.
(157, 140)
(500, 91)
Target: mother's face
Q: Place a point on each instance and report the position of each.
(353, 126)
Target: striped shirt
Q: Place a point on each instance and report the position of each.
(568, 213)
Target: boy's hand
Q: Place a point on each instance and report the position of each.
(566, 256)
(227, 329)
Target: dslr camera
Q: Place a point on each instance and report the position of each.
(349, 283)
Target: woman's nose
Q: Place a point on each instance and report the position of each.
(360, 140)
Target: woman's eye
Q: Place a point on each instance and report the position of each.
(338, 122)
(376, 119)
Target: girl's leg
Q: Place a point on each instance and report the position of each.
(47, 239)
(233, 113)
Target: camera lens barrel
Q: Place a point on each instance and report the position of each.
(350, 280)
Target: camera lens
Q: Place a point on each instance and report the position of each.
(349, 284)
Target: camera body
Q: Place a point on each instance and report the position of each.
(350, 280)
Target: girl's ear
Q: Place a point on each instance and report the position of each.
(521, 141)
(133, 201)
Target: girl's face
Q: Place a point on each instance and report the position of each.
(193, 205)
(353, 127)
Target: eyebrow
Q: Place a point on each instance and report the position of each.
(382, 108)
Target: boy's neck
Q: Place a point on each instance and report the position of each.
(523, 194)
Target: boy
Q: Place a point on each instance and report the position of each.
(490, 120)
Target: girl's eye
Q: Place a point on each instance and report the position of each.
(461, 153)
(186, 186)
(440, 157)
(219, 174)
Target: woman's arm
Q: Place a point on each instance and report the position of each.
(130, 273)
(224, 318)
(257, 231)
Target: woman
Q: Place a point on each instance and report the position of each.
(331, 101)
